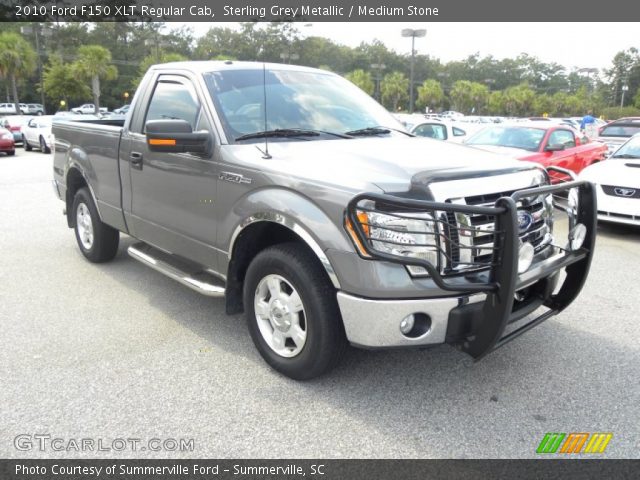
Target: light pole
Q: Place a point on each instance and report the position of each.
(38, 30)
(378, 68)
(413, 33)
(625, 88)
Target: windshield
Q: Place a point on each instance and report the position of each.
(620, 131)
(514, 137)
(317, 101)
(631, 149)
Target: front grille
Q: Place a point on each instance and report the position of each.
(480, 238)
(621, 192)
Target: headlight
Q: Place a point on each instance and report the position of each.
(403, 234)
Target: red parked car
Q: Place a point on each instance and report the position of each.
(543, 143)
(7, 145)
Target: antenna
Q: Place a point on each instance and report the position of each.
(265, 153)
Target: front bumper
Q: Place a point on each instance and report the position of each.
(486, 310)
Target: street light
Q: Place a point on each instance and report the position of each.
(413, 33)
(378, 68)
(588, 71)
(625, 88)
(38, 30)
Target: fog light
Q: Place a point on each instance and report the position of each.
(577, 236)
(525, 257)
(407, 323)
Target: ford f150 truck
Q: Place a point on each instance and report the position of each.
(298, 198)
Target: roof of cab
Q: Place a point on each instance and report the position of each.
(218, 65)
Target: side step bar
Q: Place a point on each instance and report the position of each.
(187, 273)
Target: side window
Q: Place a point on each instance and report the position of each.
(458, 132)
(174, 99)
(431, 130)
(562, 137)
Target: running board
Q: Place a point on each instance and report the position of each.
(183, 271)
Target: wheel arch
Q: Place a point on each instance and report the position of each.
(75, 180)
(256, 233)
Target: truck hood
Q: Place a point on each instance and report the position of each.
(390, 163)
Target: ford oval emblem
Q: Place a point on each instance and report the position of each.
(525, 220)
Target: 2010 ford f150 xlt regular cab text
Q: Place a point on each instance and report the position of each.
(298, 198)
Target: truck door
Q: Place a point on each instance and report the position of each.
(564, 158)
(172, 194)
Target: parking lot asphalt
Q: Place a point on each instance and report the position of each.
(120, 351)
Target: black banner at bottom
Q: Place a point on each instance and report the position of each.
(66, 469)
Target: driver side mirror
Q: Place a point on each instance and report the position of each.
(554, 147)
(176, 136)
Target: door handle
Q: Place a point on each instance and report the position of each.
(136, 160)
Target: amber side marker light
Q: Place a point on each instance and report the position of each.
(162, 141)
(364, 221)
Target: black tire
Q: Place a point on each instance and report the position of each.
(11, 153)
(104, 246)
(325, 338)
(26, 145)
(43, 146)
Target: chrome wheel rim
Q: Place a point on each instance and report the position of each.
(84, 226)
(280, 315)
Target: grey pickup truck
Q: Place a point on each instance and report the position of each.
(301, 201)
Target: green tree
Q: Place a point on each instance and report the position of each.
(17, 61)
(94, 64)
(469, 96)
(542, 104)
(518, 101)
(61, 83)
(636, 99)
(362, 79)
(430, 94)
(395, 89)
(495, 103)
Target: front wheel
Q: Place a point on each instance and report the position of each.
(43, 146)
(26, 144)
(98, 241)
(292, 312)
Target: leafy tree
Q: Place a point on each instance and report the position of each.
(430, 94)
(518, 101)
(17, 61)
(395, 89)
(94, 64)
(636, 99)
(363, 80)
(469, 96)
(60, 81)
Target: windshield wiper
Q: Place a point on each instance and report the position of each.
(289, 132)
(626, 155)
(377, 130)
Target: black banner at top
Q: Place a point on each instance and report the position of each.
(319, 10)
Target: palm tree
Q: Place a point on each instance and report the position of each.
(17, 61)
(94, 64)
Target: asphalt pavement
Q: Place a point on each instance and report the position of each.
(118, 351)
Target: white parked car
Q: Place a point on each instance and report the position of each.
(618, 184)
(441, 130)
(37, 134)
(87, 108)
(7, 108)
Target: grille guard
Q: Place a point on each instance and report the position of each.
(501, 280)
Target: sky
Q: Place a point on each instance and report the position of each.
(578, 45)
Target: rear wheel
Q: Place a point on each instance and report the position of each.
(292, 312)
(98, 241)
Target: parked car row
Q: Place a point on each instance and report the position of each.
(25, 108)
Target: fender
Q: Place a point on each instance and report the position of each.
(295, 212)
